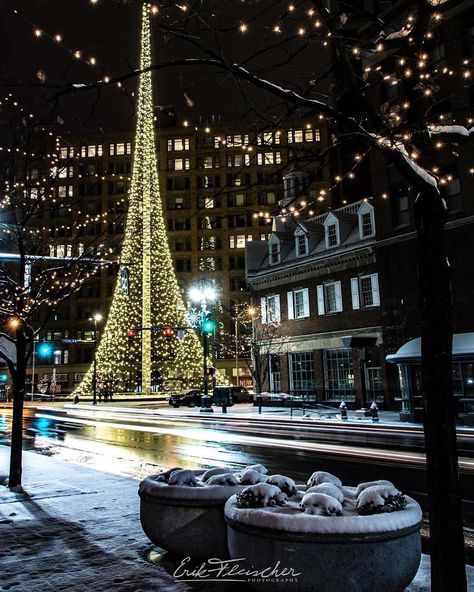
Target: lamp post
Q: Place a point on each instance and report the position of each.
(204, 293)
(96, 318)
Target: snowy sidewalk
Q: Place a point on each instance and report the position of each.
(78, 530)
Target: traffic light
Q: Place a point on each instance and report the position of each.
(209, 371)
(45, 350)
(208, 323)
(131, 334)
(168, 332)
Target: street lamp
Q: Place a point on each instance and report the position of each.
(96, 318)
(250, 311)
(204, 293)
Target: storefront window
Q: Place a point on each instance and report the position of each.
(338, 375)
(302, 374)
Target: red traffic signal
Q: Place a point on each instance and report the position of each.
(131, 333)
(209, 371)
(168, 332)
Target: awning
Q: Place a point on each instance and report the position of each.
(463, 348)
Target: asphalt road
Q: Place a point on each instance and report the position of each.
(139, 442)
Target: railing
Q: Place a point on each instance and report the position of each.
(305, 401)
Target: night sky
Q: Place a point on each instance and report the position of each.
(110, 32)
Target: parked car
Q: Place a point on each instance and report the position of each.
(190, 398)
(241, 395)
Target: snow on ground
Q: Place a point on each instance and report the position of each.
(77, 530)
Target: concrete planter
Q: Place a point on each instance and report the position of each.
(188, 521)
(330, 554)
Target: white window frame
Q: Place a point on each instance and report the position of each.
(327, 236)
(298, 237)
(274, 256)
(356, 291)
(364, 210)
(266, 309)
(293, 305)
(322, 299)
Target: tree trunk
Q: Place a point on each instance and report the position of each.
(16, 451)
(445, 513)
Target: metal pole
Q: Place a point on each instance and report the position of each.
(33, 371)
(94, 375)
(236, 329)
(204, 347)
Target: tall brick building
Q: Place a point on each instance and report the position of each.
(219, 184)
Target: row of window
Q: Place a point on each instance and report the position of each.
(95, 150)
(232, 160)
(209, 264)
(329, 299)
(332, 235)
(338, 375)
(293, 136)
(181, 183)
(211, 222)
(211, 243)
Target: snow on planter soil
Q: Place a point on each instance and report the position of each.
(290, 518)
(324, 506)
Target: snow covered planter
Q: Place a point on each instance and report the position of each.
(334, 537)
(182, 511)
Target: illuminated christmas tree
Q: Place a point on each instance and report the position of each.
(146, 296)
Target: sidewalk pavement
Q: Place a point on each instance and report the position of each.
(75, 529)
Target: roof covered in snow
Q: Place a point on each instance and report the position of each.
(463, 347)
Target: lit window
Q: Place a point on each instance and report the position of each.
(178, 144)
(60, 250)
(65, 191)
(181, 164)
(120, 149)
(268, 158)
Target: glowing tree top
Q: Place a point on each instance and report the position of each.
(147, 298)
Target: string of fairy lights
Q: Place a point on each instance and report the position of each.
(411, 67)
(315, 29)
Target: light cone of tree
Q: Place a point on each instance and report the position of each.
(152, 297)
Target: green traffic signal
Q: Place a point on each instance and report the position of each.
(209, 325)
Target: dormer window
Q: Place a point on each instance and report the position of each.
(301, 244)
(332, 235)
(274, 253)
(366, 221)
